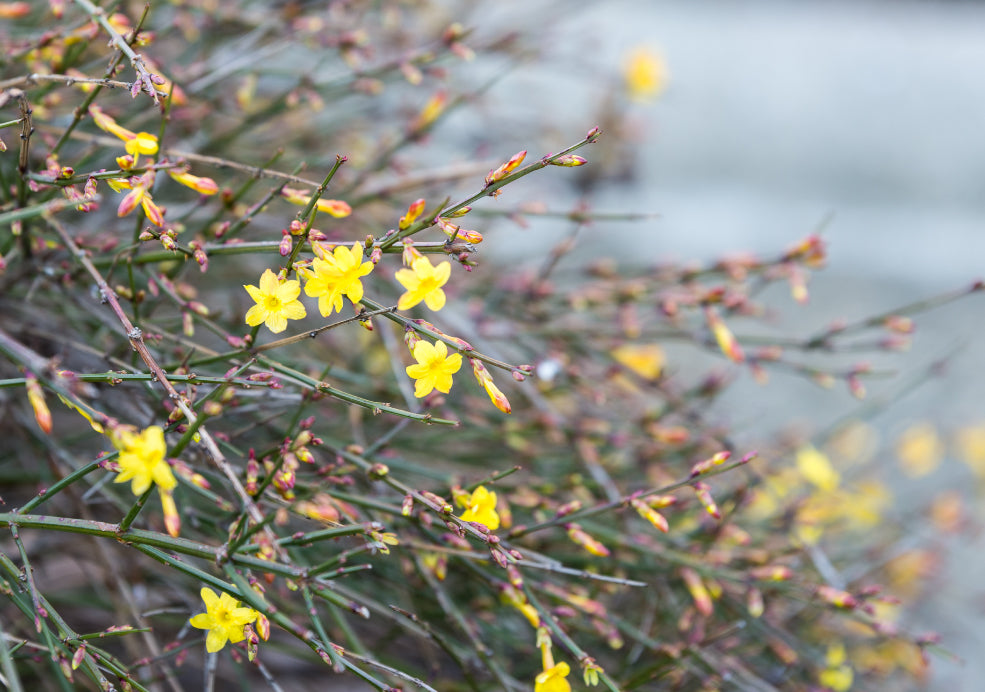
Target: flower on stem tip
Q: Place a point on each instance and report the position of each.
(336, 274)
(136, 143)
(553, 679)
(434, 368)
(276, 302)
(223, 618)
(142, 461)
(481, 507)
(423, 282)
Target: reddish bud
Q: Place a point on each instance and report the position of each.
(499, 173)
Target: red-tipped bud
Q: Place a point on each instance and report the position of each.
(699, 592)
(580, 537)
(410, 253)
(703, 493)
(507, 168)
(651, 515)
(413, 211)
(754, 602)
(456, 214)
(35, 395)
(723, 336)
(837, 597)
(457, 232)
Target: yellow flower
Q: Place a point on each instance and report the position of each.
(920, 450)
(553, 679)
(334, 275)
(816, 468)
(423, 282)
(646, 360)
(142, 461)
(136, 143)
(837, 676)
(223, 619)
(481, 507)
(434, 368)
(276, 303)
(645, 74)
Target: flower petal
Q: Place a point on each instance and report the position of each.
(435, 300)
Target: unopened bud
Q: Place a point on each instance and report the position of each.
(507, 168)
(413, 211)
(569, 160)
(35, 395)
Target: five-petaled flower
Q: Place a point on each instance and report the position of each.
(276, 302)
(434, 368)
(423, 282)
(142, 461)
(223, 618)
(336, 274)
(481, 507)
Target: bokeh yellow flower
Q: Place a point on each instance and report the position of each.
(646, 360)
(645, 74)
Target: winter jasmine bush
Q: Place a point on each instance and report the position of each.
(333, 488)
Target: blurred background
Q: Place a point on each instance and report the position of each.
(768, 121)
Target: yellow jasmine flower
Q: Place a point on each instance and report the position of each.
(553, 679)
(646, 360)
(481, 507)
(423, 282)
(223, 618)
(817, 469)
(920, 450)
(142, 461)
(136, 143)
(276, 302)
(645, 74)
(336, 274)
(837, 676)
(434, 368)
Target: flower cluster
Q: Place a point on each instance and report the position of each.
(336, 274)
(146, 144)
